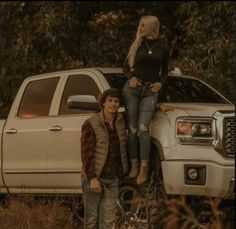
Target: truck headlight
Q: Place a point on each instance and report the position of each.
(195, 130)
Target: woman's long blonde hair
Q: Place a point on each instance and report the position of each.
(152, 24)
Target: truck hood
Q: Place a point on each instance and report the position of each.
(163, 125)
(201, 109)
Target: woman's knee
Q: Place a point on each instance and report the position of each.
(133, 130)
(143, 129)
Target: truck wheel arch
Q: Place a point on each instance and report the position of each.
(156, 155)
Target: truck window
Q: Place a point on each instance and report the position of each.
(78, 85)
(116, 80)
(185, 90)
(37, 98)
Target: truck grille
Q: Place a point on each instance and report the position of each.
(229, 136)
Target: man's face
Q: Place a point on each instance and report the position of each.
(111, 104)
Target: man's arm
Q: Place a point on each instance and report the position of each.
(88, 139)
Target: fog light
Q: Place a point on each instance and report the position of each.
(192, 173)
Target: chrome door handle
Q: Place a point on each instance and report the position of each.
(55, 128)
(11, 131)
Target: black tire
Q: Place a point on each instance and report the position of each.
(132, 209)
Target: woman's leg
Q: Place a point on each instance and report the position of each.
(131, 102)
(147, 109)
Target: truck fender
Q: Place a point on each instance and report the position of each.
(156, 156)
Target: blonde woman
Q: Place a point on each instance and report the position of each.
(146, 67)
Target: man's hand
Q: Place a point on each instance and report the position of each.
(156, 87)
(95, 185)
(134, 82)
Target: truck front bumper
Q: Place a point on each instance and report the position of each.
(216, 180)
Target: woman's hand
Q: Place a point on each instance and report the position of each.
(133, 82)
(95, 185)
(156, 87)
(165, 107)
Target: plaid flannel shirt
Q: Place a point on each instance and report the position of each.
(113, 166)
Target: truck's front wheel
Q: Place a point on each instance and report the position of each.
(140, 205)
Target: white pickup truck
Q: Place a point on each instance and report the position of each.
(40, 140)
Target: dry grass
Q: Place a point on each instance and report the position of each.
(26, 213)
(176, 213)
(182, 216)
(166, 213)
(160, 211)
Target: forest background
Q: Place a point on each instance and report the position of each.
(40, 37)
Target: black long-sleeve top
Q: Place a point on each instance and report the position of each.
(149, 67)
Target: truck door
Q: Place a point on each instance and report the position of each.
(26, 136)
(64, 159)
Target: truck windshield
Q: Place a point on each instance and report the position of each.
(176, 90)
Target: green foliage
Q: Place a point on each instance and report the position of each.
(38, 37)
(206, 42)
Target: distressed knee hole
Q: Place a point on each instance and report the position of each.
(133, 130)
(143, 128)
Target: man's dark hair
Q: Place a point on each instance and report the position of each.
(112, 92)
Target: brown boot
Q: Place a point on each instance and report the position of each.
(143, 173)
(134, 169)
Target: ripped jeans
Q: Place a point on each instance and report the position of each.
(140, 104)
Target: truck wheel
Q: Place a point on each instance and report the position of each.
(143, 205)
(132, 207)
(155, 163)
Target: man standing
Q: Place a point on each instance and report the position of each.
(104, 159)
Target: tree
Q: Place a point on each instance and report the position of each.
(39, 37)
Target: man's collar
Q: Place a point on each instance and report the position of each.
(116, 118)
